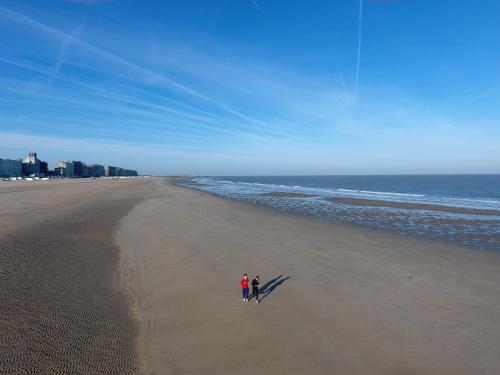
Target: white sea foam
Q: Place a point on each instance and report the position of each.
(391, 193)
(258, 188)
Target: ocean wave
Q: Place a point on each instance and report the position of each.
(391, 193)
(475, 200)
(381, 193)
(241, 187)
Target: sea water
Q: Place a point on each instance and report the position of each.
(478, 192)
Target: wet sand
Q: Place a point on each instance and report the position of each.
(280, 194)
(412, 206)
(62, 310)
(341, 299)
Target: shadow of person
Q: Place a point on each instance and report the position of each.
(271, 285)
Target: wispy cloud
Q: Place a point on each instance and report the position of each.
(358, 60)
(87, 1)
(256, 4)
(63, 53)
(245, 125)
(129, 65)
(344, 87)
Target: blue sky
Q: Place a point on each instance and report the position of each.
(253, 87)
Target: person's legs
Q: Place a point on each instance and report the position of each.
(245, 294)
(256, 294)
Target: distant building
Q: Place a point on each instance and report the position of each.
(110, 171)
(89, 170)
(58, 171)
(66, 169)
(85, 171)
(32, 158)
(78, 166)
(44, 168)
(31, 169)
(94, 170)
(99, 170)
(11, 168)
(31, 165)
(128, 172)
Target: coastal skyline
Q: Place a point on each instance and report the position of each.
(253, 87)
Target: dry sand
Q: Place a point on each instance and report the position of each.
(344, 300)
(349, 300)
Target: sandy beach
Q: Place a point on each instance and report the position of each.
(142, 276)
(345, 301)
(62, 310)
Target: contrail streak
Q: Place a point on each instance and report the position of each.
(64, 52)
(207, 122)
(360, 29)
(109, 56)
(256, 5)
(346, 93)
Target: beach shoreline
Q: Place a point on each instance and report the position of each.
(353, 300)
(387, 203)
(142, 276)
(460, 224)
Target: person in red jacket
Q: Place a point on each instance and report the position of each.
(244, 287)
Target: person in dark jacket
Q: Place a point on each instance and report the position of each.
(255, 289)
